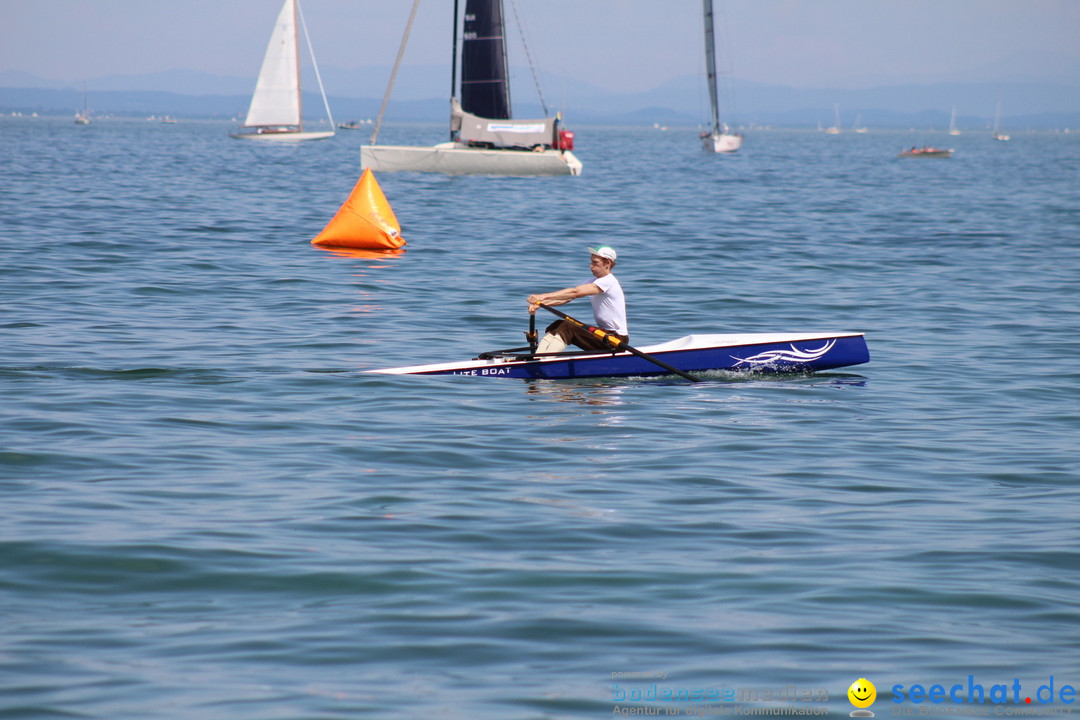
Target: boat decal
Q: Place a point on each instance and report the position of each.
(794, 355)
(516, 127)
(484, 371)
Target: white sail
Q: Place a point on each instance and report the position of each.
(277, 93)
(276, 113)
(835, 129)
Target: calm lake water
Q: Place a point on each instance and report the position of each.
(210, 511)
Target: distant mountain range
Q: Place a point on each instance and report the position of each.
(420, 94)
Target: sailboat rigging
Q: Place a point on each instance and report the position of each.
(953, 130)
(998, 135)
(276, 111)
(835, 129)
(720, 139)
(82, 117)
(484, 139)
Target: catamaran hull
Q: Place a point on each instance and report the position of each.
(455, 160)
(750, 352)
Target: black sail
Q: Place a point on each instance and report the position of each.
(485, 86)
(710, 64)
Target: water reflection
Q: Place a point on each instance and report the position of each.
(576, 393)
(359, 254)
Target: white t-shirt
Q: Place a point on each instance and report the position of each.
(609, 307)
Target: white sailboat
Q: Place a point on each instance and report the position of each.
(276, 111)
(998, 135)
(952, 123)
(483, 137)
(835, 129)
(720, 139)
(82, 117)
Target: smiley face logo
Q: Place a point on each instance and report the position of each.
(862, 693)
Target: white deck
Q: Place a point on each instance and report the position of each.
(695, 342)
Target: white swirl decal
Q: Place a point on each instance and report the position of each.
(794, 355)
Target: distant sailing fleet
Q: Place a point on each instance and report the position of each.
(483, 138)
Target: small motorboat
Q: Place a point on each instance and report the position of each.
(926, 151)
(743, 352)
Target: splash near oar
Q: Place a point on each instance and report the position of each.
(617, 344)
(365, 220)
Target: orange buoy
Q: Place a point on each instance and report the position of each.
(365, 220)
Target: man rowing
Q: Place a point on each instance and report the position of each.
(608, 304)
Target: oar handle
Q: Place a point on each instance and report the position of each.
(617, 342)
(530, 334)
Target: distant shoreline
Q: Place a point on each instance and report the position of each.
(1027, 107)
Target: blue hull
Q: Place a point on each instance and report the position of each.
(804, 355)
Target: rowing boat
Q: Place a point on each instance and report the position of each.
(744, 352)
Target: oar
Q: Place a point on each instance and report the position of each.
(617, 342)
(530, 334)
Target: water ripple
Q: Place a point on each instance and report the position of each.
(211, 511)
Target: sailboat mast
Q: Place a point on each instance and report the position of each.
(454, 55)
(710, 63)
(296, 50)
(453, 62)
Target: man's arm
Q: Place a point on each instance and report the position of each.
(561, 297)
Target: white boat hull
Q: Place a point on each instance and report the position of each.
(284, 137)
(722, 143)
(454, 159)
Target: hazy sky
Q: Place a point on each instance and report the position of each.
(620, 45)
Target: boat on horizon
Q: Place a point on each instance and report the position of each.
(740, 353)
(835, 129)
(276, 113)
(82, 117)
(720, 139)
(484, 139)
(926, 151)
(998, 135)
(952, 123)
